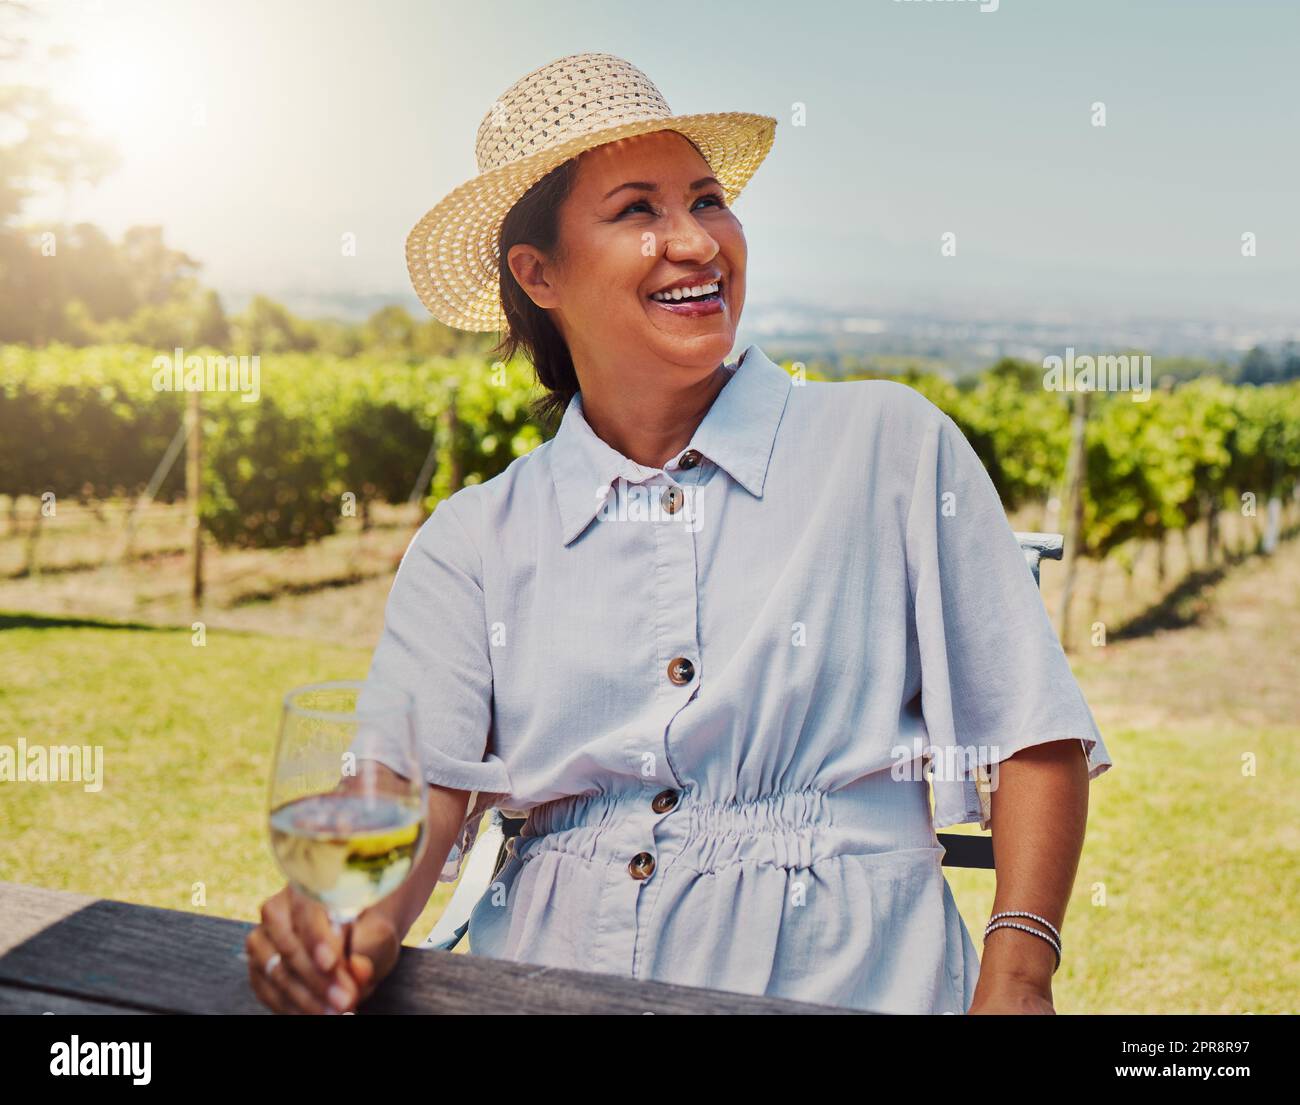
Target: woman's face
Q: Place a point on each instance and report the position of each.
(644, 213)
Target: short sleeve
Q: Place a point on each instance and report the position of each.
(435, 646)
(994, 678)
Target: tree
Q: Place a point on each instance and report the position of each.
(267, 327)
(390, 328)
(1258, 367)
(43, 144)
(211, 327)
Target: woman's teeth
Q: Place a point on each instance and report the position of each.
(686, 293)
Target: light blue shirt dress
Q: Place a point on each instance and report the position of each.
(713, 687)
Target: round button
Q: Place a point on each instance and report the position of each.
(641, 866)
(664, 801)
(681, 670)
(689, 459)
(672, 499)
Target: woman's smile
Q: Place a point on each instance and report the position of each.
(696, 301)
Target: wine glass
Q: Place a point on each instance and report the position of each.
(348, 810)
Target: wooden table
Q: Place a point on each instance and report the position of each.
(70, 953)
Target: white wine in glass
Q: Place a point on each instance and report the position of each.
(348, 814)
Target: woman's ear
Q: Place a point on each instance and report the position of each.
(530, 268)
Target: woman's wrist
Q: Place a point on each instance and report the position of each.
(1018, 957)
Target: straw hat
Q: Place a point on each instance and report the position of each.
(542, 120)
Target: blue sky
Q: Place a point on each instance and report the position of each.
(257, 132)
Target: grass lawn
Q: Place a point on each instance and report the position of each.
(1186, 891)
(1186, 895)
(188, 735)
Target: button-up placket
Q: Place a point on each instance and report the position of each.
(663, 508)
(679, 650)
(737, 436)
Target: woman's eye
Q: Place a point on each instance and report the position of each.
(716, 197)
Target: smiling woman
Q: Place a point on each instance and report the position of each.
(702, 723)
(592, 196)
(644, 266)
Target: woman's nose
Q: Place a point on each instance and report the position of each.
(686, 238)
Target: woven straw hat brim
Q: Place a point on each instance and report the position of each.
(453, 252)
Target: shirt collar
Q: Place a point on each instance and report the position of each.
(737, 433)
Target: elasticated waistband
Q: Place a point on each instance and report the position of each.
(874, 814)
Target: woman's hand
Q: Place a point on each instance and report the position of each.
(308, 976)
(1010, 995)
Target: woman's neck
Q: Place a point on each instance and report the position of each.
(648, 426)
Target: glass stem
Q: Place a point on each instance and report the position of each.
(344, 929)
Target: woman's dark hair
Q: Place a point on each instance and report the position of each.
(535, 220)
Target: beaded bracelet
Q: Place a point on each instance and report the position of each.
(1025, 928)
(1031, 916)
(1056, 944)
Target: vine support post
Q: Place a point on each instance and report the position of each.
(453, 432)
(1210, 507)
(1073, 511)
(1273, 526)
(193, 490)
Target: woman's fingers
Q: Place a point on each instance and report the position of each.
(279, 923)
(279, 988)
(375, 949)
(323, 943)
(263, 989)
(310, 975)
(267, 994)
(319, 937)
(363, 970)
(258, 951)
